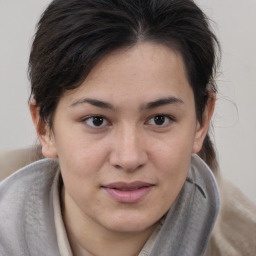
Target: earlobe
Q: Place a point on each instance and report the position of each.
(43, 132)
(202, 128)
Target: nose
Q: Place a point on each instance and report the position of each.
(129, 152)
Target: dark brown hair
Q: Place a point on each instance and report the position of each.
(73, 35)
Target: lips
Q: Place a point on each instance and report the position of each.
(128, 192)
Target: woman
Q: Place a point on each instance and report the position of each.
(122, 94)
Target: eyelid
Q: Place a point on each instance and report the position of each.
(170, 117)
(86, 118)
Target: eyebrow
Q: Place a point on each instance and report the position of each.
(94, 102)
(162, 102)
(150, 105)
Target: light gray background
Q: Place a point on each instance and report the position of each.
(235, 116)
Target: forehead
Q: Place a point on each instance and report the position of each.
(141, 73)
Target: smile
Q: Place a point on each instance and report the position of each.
(128, 192)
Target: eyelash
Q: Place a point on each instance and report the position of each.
(90, 118)
(105, 122)
(170, 120)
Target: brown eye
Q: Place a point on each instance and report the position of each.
(96, 121)
(160, 120)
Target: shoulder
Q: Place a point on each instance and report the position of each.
(235, 229)
(32, 177)
(25, 206)
(13, 160)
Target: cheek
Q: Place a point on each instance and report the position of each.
(81, 170)
(82, 160)
(75, 146)
(173, 150)
(172, 158)
(80, 163)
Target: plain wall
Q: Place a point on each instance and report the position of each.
(235, 116)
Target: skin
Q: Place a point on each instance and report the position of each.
(136, 85)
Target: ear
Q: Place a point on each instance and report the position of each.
(44, 132)
(202, 128)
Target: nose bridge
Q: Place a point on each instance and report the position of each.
(129, 152)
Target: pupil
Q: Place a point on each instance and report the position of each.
(159, 120)
(97, 120)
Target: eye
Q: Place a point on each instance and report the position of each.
(96, 121)
(160, 120)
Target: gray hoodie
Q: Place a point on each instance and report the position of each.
(27, 224)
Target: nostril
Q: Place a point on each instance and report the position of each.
(117, 166)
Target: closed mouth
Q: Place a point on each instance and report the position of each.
(128, 192)
(128, 185)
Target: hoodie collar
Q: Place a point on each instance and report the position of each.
(189, 222)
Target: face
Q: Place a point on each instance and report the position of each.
(124, 139)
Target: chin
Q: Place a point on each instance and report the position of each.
(129, 229)
(130, 224)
